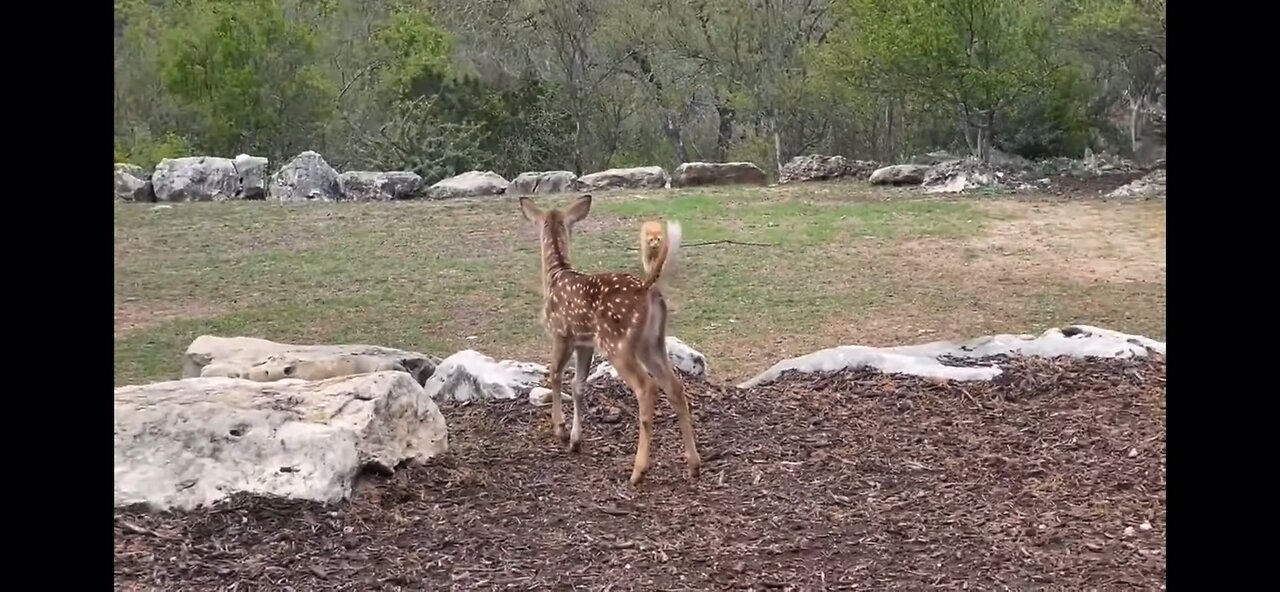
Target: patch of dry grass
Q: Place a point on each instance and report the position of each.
(846, 264)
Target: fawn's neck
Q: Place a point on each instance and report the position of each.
(555, 259)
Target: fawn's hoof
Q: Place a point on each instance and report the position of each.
(693, 468)
(575, 445)
(561, 434)
(692, 472)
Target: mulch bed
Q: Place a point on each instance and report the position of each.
(848, 480)
(1091, 185)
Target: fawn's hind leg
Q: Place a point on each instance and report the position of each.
(659, 365)
(646, 397)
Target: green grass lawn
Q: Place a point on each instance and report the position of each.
(835, 264)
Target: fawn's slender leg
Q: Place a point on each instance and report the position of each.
(658, 364)
(646, 396)
(582, 354)
(560, 350)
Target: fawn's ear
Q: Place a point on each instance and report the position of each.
(579, 209)
(530, 211)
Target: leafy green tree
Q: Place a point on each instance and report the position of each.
(248, 74)
(975, 57)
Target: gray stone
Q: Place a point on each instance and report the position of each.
(816, 167)
(923, 359)
(305, 178)
(472, 376)
(378, 186)
(132, 183)
(1151, 185)
(253, 176)
(899, 174)
(192, 442)
(695, 174)
(649, 177)
(469, 184)
(196, 178)
(262, 360)
(531, 183)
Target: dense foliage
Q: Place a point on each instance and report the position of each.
(514, 85)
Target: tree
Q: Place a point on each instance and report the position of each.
(247, 72)
(976, 57)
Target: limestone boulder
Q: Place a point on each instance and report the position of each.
(696, 174)
(469, 184)
(378, 186)
(191, 442)
(899, 174)
(926, 359)
(308, 177)
(253, 176)
(532, 183)
(650, 177)
(196, 178)
(472, 376)
(132, 183)
(1152, 184)
(818, 167)
(262, 360)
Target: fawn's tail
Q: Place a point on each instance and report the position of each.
(658, 246)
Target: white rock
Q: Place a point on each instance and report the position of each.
(262, 360)
(1146, 525)
(192, 442)
(541, 396)
(922, 359)
(649, 177)
(470, 375)
(195, 178)
(132, 183)
(469, 184)
(685, 358)
(533, 182)
(1128, 531)
(697, 174)
(378, 186)
(1133, 453)
(305, 178)
(253, 176)
(899, 174)
(1151, 185)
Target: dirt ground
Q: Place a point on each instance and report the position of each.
(1050, 476)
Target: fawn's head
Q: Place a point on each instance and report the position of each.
(556, 226)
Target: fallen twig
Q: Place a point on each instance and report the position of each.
(724, 241)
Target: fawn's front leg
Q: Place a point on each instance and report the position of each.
(582, 355)
(560, 350)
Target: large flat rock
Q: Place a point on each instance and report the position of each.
(191, 442)
(924, 359)
(264, 361)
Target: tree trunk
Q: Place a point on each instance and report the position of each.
(674, 135)
(777, 145)
(888, 123)
(725, 136)
(1134, 105)
(985, 132)
(577, 148)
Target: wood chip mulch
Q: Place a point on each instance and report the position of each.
(1049, 477)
